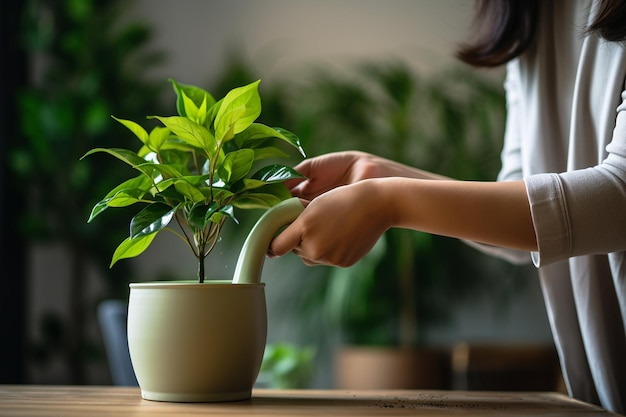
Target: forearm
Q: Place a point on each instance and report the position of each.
(495, 213)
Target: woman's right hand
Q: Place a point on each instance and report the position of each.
(339, 226)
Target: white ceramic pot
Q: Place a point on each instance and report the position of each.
(192, 342)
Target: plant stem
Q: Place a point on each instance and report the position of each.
(201, 258)
(213, 238)
(184, 233)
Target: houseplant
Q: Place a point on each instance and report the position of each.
(198, 341)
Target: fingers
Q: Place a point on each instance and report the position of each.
(314, 185)
(285, 242)
(304, 190)
(294, 182)
(289, 241)
(300, 187)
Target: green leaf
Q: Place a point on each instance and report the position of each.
(129, 157)
(189, 191)
(127, 197)
(270, 152)
(212, 113)
(122, 198)
(134, 127)
(197, 114)
(126, 193)
(236, 165)
(220, 194)
(175, 144)
(200, 216)
(178, 159)
(164, 185)
(190, 132)
(251, 184)
(140, 182)
(190, 108)
(255, 132)
(130, 248)
(256, 201)
(197, 180)
(276, 173)
(168, 170)
(158, 136)
(278, 189)
(167, 194)
(239, 108)
(196, 95)
(258, 132)
(144, 151)
(151, 219)
(228, 211)
(291, 138)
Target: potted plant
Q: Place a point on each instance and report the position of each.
(199, 340)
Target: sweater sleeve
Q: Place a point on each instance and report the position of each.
(583, 211)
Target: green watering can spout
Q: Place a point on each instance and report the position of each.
(254, 249)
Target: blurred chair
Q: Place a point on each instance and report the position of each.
(496, 367)
(112, 316)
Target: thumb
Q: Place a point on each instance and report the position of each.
(285, 241)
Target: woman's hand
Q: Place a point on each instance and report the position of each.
(338, 227)
(347, 209)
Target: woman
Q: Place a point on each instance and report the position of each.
(560, 195)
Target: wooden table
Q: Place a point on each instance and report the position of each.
(91, 401)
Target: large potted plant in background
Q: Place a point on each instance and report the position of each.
(202, 340)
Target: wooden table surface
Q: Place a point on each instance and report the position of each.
(88, 401)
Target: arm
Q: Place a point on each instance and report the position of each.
(496, 213)
(342, 225)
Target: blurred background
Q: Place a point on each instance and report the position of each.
(373, 75)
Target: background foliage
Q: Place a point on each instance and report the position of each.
(450, 123)
(84, 63)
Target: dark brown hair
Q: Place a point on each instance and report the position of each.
(506, 28)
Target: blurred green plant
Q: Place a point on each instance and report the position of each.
(287, 366)
(84, 60)
(450, 123)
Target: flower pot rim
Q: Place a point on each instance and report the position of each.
(191, 284)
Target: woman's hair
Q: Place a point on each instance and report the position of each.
(506, 28)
